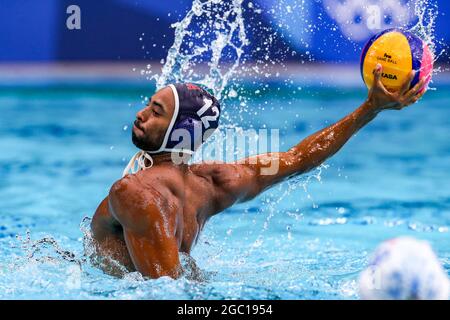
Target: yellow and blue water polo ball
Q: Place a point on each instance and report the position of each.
(398, 51)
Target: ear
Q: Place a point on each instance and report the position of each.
(187, 133)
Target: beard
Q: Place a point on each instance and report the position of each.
(143, 143)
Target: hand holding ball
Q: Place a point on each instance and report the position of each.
(399, 52)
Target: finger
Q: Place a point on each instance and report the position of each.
(415, 98)
(377, 73)
(418, 96)
(405, 86)
(426, 81)
(411, 93)
(377, 84)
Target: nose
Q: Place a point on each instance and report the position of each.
(142, 115)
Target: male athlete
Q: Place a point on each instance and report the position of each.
(151, 215)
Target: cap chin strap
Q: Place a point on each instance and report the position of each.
(139, 157)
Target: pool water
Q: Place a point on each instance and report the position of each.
(62, 146)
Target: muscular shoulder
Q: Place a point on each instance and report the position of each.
(165, 182)
(222, 175)
(145, 197)
(227, 180)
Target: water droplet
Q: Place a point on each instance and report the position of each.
(232, 93)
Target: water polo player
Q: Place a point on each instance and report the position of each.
(159, 209)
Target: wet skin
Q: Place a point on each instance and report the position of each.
(149, 217)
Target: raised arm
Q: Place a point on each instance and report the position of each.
(245, 180)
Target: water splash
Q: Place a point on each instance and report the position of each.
(427, 12)
(76, 268)
(211, 31)
(45, 250)
(271, 204)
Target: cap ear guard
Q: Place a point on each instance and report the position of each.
(198, 111)
(163, 146)
(185, 134)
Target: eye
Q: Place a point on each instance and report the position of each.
(155, 113)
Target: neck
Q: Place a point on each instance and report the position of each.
(160, 158)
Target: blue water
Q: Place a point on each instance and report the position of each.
(62, 146)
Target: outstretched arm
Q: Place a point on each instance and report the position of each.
(245, 180)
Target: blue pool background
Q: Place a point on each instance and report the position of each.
(63, 145)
